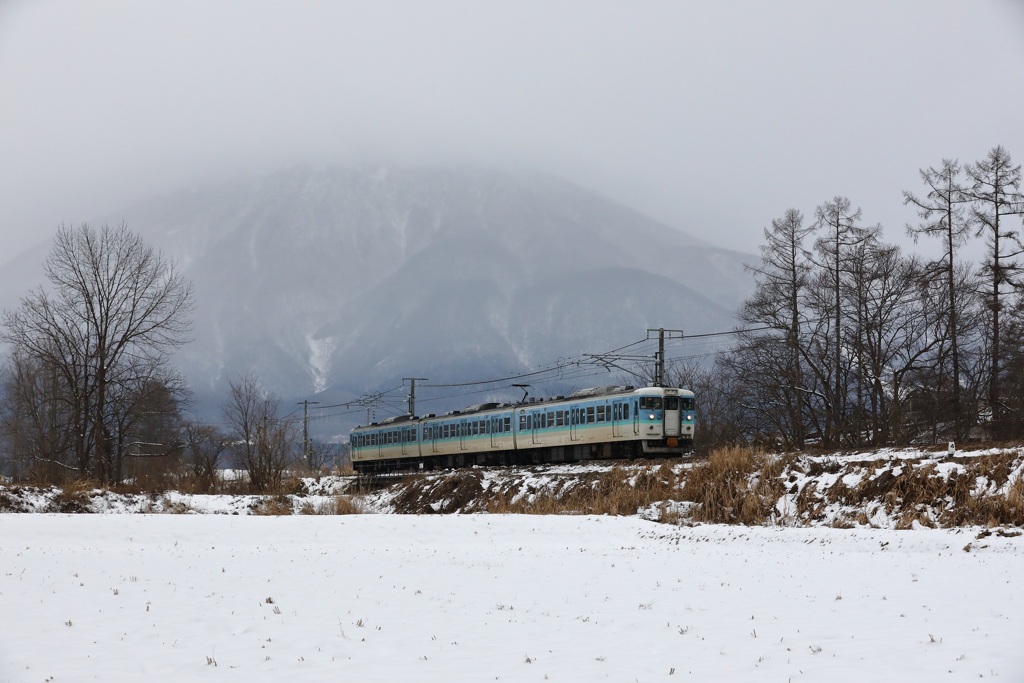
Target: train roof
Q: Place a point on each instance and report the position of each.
(591, 392)
(601, 391)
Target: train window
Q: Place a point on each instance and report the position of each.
(522, 423)
(687, 403)
(508, 425)
(590, 414)
(650, 403)
(671, 403)
(600, 413)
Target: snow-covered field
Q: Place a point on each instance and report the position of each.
(493, 597)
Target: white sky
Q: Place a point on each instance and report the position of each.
(714, 117)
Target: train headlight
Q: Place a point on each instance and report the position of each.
(652, 416)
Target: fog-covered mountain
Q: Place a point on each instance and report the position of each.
(344, 280)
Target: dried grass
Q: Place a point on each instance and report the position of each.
(278, 505)
(444, 494)
(74, 497)
(618, 491)
(335, 505)
(736, 486)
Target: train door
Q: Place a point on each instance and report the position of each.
(636, 417)
(616, 409)
(671, 416)
(574, 421)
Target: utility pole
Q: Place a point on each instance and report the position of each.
(305, 432)
(659, 358)
(412, 391)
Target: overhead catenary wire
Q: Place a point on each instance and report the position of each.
(563, 370)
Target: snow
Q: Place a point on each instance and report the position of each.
(236, 597)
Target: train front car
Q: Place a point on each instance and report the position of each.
(665, 419)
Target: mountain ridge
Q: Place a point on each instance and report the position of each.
(345, 279)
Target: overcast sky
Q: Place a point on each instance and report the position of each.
(714, 117)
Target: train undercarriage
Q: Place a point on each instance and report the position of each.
(626, 450)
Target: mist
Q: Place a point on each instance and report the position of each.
(711, 117)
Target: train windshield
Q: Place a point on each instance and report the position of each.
(671, 403)
(687, 403)
(650, 403)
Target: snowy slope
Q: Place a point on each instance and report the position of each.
(348, 278)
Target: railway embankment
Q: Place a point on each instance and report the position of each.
(889, 488)
(885, 489)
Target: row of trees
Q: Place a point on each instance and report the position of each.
(88, 391)
(848, 341)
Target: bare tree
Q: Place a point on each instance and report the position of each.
(840, 238)
(996, 199)
(942, 215)
(36, 421)
(205, 448)
(114, 311)
(263, 441)
(781, 281)
(323, 455)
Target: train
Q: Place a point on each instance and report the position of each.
(613, 422)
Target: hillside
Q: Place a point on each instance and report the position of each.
(342, 280)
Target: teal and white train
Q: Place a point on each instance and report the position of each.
(599, 423)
